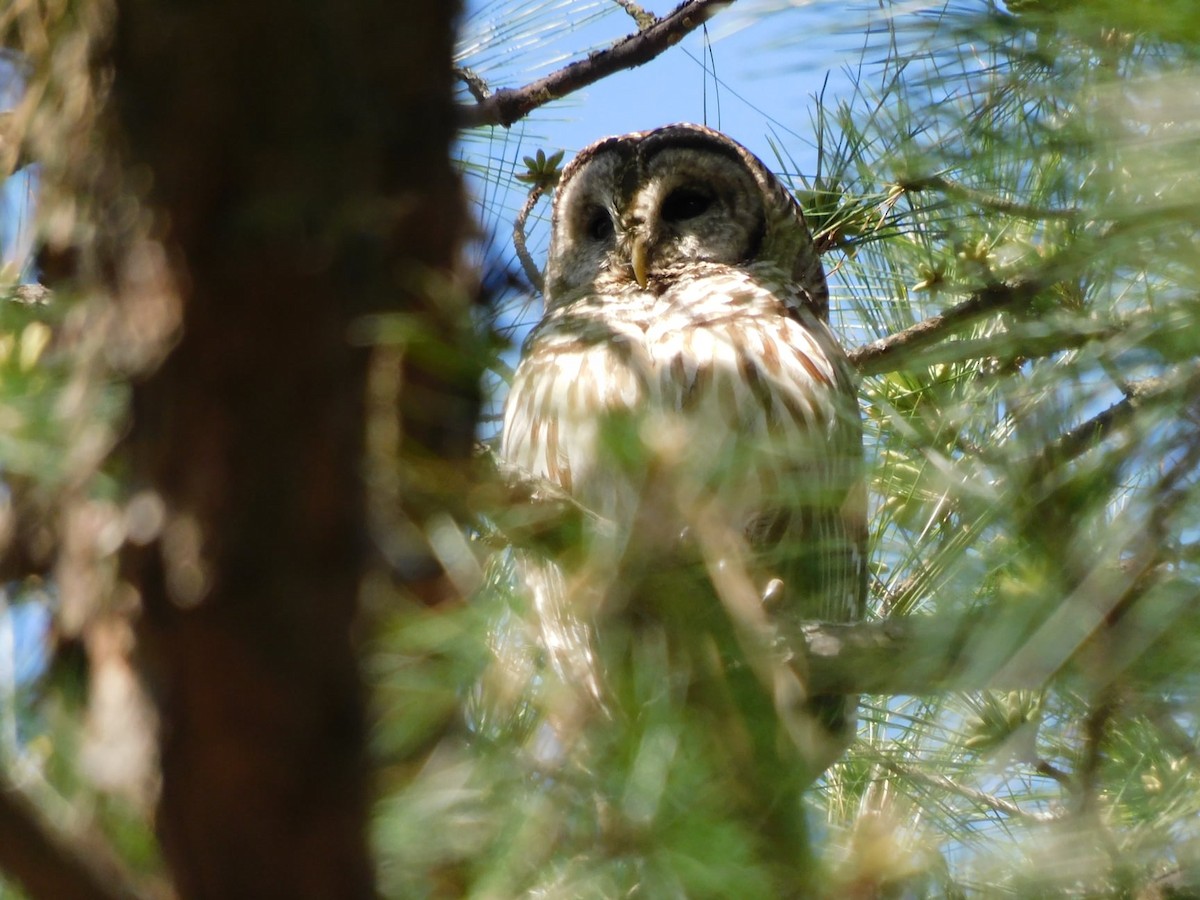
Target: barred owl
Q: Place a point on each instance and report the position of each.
(683, 381)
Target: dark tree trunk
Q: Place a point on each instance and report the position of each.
(297, 157)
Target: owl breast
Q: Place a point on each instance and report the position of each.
(716, 385)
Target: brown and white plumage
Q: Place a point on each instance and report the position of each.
(685, 312)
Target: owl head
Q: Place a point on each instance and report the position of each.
(647, 207)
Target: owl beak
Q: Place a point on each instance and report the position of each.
(639, 257)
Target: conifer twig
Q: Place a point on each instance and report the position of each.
(988, 201)
(527, 264)
(880, 356)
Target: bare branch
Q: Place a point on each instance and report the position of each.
(1139, 394)
(508, 105)
(882, 355)
(527, 263)
(46, 864)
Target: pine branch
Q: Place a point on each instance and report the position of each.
(508, 105)
(1142, 394)
(47, 864)
(860, 657)
(887, 354)
(986, 200)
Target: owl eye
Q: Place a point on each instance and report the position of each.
(599, 224)
(685, 203)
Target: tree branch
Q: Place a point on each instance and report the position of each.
(860, 657)
(843, 658)
(853, 658)
(508, 105)
(1139, 394)
(986, 200)
(12, 144)
(881, 355)
(46, 864)
(991, 801)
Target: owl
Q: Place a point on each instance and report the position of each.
(684, 385)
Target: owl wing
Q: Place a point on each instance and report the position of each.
(815, 541)
(773, 426)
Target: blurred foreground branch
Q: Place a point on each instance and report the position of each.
(860, 658)
(12, 144)
(48, 864)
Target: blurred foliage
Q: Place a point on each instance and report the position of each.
(56, 421)
(63, 405)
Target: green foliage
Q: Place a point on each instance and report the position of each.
(1023, 482)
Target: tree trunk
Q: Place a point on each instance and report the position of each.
(299, 174)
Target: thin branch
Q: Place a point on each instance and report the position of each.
(1139, 394)
(881, 355)
(1099, 598)
(1047, 769)
(986, 200)
(519, 510)
(527, 264)
(841, 658)
(508, 105)
(47, 864)
(991, 801)
(12, 144)
(860, 658)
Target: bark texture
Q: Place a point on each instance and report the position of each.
(295, 157)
